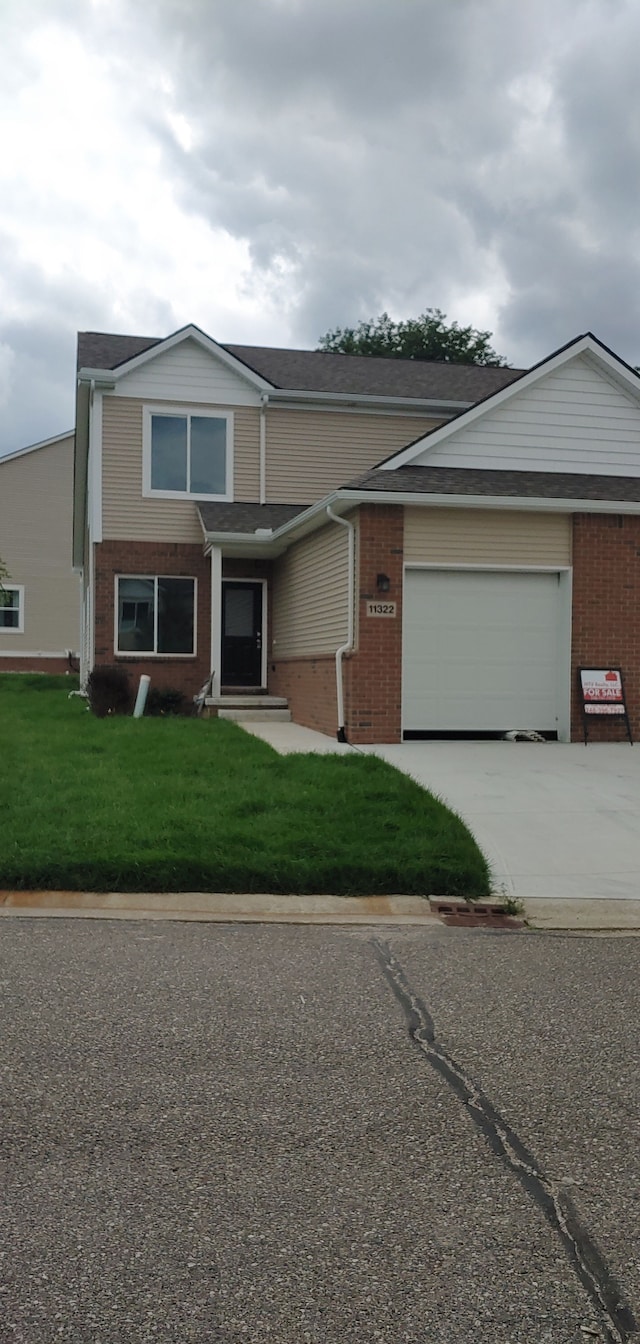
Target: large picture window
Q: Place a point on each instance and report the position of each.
(12, 609)
(187, 454)
(155, 615)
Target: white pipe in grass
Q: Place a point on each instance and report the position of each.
(141, 698)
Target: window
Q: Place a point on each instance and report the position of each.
(187, 454)
(155, 615)
(12, 609)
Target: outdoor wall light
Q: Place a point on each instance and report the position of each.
(383, 583)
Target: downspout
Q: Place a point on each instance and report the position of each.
(263, 447)
(348, 645)
(92, 577)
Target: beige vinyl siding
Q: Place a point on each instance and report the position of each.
(127, 515)
(486, 537)
(574, 419)
(310, 583)
(310, 453)
(188, 373)
(36, 503)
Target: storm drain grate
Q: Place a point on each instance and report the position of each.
(464, 914)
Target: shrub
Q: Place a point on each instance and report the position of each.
(164, 701)
(109, 691)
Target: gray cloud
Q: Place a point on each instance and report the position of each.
(366, 154)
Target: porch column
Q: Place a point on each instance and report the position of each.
(216, 618)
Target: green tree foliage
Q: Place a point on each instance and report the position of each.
(4, 574)
(424, 337)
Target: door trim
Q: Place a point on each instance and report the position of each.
(248, 578)
(565, 614)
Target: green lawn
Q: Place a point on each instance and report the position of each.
(198, 805)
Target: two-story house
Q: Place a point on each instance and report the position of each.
(40, 599)
(393, 548)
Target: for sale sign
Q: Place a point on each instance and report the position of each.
(602, 692)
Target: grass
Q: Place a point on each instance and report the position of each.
(194, 805)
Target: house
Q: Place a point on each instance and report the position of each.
(40, 604)
(391, 548)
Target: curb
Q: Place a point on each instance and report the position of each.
(219, 907)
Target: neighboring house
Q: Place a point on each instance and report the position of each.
(394, 548)
(40, 605)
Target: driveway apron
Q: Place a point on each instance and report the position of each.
(554, 820)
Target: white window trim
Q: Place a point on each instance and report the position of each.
(180, 412)
(19, 628)
(137, 655)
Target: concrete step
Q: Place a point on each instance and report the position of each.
(247, 702)
(257, 715)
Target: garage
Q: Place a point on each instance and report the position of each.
(483, 651)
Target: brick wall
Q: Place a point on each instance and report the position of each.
(373, 675)
(310, 687)
(606, 611)
(151, 558)
(52, 666)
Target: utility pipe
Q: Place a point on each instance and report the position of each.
(263, 447)
(141, 698)
(348, 645)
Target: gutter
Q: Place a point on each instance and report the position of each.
(347, 647)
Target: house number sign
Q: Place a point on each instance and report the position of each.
(381, 609)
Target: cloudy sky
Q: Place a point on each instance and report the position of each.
(270, 169)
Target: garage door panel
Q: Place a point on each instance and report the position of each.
(480, 651)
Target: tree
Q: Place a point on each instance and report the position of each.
(4, 574)
(424, 337)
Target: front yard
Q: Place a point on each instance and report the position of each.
(191, 805)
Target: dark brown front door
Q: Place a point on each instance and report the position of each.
(241, 633)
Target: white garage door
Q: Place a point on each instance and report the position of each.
(480, 651)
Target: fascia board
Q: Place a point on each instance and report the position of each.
(598, 355)
(431, 404)
(537, 503)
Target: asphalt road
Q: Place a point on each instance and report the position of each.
(222, 1133)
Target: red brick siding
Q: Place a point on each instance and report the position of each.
(151, 558)
(606, 611)
(373, 675)
(52, 666)
(310, 687)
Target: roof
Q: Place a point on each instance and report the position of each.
(510, 484)
(246, 517)
(319, 371)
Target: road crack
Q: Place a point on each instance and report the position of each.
(551, 1196)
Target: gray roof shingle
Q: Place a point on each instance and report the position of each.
(246, 517)
(317, 371)
(514, 484)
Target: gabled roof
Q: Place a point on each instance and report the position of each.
(587, 344)
(317, 371)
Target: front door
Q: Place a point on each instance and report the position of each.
(241, 633)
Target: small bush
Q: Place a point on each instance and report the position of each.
(109, 691)
(162, 701)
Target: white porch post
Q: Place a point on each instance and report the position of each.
(216, 618)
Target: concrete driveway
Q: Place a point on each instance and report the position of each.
(555, 820)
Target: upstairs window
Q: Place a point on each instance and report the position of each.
(12, 609)
(187, 454)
